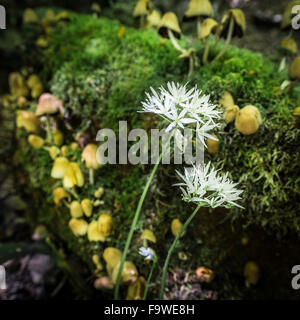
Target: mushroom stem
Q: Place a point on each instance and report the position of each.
(91, 175)
(229, 37)
(65, 203)
(73, 193)
(198, 27)
(206, 51)
(191, 65)
(174, 42)
(48, 129)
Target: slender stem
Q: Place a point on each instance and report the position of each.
(91, 175)
(173, 246)
(135, 219)
(229, 36)
(48, 129)
(150, 276)
(191, 65)
(198, 27)
(174, 42)
(206, 51)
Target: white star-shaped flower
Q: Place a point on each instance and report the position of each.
(146, 252)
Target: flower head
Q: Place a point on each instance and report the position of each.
(146, 252)
(202, 184)
(182, 107)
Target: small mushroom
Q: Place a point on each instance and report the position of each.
(248, 120)
(73, 176)
(105, 224)
(233, 24)
(87, 207)
(294, 70)
(89, 156)
(96, 8)
(176, 226)
(93, 232)
(54, 152)
(27, 120)
(64, 150)
(60, 194)
(209, 27)
(112, 256)
(129, 273)
(22, 102)
(40, 233)
(136, 289)
(198, 9)
(191, 55)
(76, 209)
(231, 113)
(59, 167)
(226, 100)
(48, 105)
(29, 17)
(169, 28)
(141, 10)
(148, 235)
(153, 19)
(103, 283)
(213, 145)
(58, 137)
(78, 226)
(17, 85)
(99, 192)
(289, 45)
(252, 272)
(97, 262)
(35, 141)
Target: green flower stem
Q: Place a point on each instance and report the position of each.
(173, 246)
(135, 220)
(229, 37)
(150, 276)
(206, 51)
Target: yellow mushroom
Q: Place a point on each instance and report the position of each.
(35, 141)
(213, 146)
(93, 233)
(112, 256)
(290, 45)
(48, 104)
(231, 113)
(22, 102)
(54, 152)
(103, 283)
(142, 9)
(252, 272)
(226, 100)
(233, 24)
(209, 26)
(136, 289)
(294, 70)
(76, 209)
(97, 262)
(99, 192)
(29, 16)
(17, 85)
(78, 226)
(176, 226)
(73, 176)
(248, 120)
(28, 121)
(105, 224)
(198, 9)
(59, 167)
(64, 150)
(58, 137)
(153, 19)
(89, 156)
(60, 194)
(129, 273)
(148, 235)
(87, 207)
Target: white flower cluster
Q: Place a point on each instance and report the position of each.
(182, 107)
(146, 252)
(202, 184)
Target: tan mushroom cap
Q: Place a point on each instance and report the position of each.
(129, 273)
(27, 120)
(252, 272)
(231, 113)
(294, 70)
(78, 226)
(35, 141)
(187, 53)
(148, 235)
(169, 21)
(142, 8)
(287, 15)
(248, 120)
(199, 8)
(209, 26)
(289, 44)
(226, 100)
(93, 233)
(89, 156)
(176, 226)
(153, 19)
(239, 23)
(59, 194)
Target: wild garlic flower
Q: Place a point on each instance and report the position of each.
(203, 184)
(182, 107)
(146, 252)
